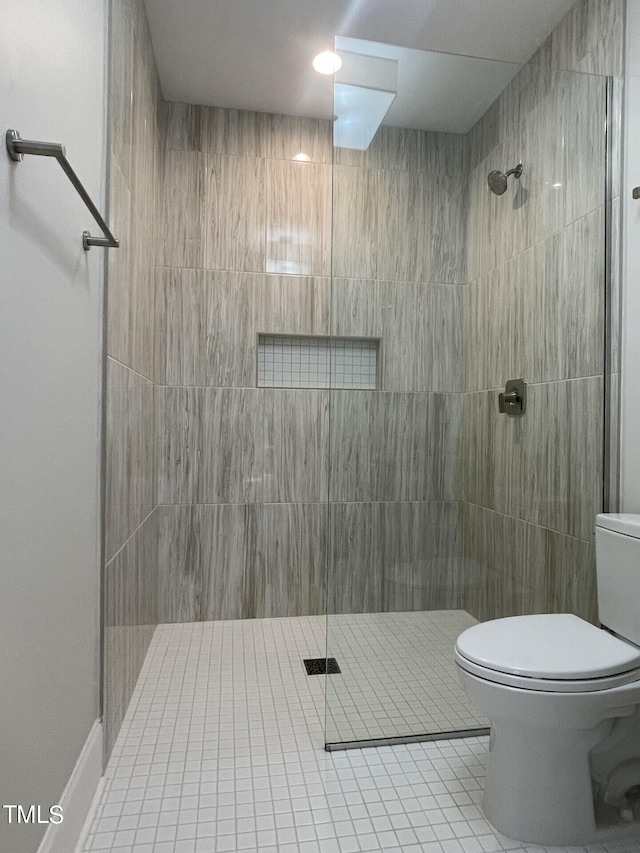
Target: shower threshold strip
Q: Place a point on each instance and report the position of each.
(398, 739)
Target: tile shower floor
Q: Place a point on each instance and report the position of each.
(398, 675)
(222, 750)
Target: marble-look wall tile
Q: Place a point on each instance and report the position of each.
(290, 573)
(287, 136)
(241, 561)
(582, 31)
(355, 222)
(130, 618)
(546, 466)
(410, 150)
(612, 306)
(503, 568)
(422, 556)
(421, 228)
(570, 576)
(204, 555)
(388, 446)
(121, 50)
(611, 502)
(296, 445)
(145, 148)
(406, 209)
(130, 537)
(234, 225)
(219, 130)
(419, 325)
(232, 132)
(130, 475)
(210, 445)
(556, 288)
(560, 140)
(355, 562)
(183, 208)
(130, 317)
(298, 218)
(394, 556)
(208, 331)
(181, 126)
(239, 445)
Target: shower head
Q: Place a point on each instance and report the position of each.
(498, 180)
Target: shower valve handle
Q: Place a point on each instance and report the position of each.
(513, 400)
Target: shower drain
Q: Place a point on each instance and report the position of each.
(321, 666)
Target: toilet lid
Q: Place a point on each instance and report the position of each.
(554, 645)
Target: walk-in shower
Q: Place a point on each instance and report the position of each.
(441, 511)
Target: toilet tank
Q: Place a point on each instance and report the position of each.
(618, 573)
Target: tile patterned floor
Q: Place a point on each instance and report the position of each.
(221, 750)
(398, 675)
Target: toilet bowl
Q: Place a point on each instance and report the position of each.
(562, 697)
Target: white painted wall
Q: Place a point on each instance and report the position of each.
(630, 353)
(51, 88)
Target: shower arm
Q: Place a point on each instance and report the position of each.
(516, 171)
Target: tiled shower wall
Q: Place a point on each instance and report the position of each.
(245, 472)
(535, 308)
(216, 491)
(130, 574)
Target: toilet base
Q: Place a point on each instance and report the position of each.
(543, 796)
(538, 787)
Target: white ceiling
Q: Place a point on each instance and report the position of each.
(256, 54)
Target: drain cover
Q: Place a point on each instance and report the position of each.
(321, 666)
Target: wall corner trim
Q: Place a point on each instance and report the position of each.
(79, 799)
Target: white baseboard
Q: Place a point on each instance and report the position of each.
(78, 799)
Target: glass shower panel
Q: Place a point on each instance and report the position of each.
(442, 510)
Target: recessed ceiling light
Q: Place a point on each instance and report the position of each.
(302, 158)
(327, 62)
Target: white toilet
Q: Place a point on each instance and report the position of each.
(563, 698)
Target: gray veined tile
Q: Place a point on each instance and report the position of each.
(233, 132)
(210, 445)
(235, 224)
(504, 568)
(130, 618)
(289, 576)
(205, 554)
(388, 446)
(181, 126)
(130, 454)
(355, 222)
(406, 206)
(354, 573)
(421, 556)
(448, 203)
(212, 319)
(295, 305)
(145, 144)
(570, 576)
(241, 561)
(183, 202)
(298, 218)
(296, 445)
(287, 136)
(544, 467)
(121, 45)
(582, 29)
(130, 311)
(211, 327)
(419, 326)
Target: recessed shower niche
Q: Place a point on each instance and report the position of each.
(299, 362)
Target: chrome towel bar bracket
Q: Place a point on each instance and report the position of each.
(18, 147)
